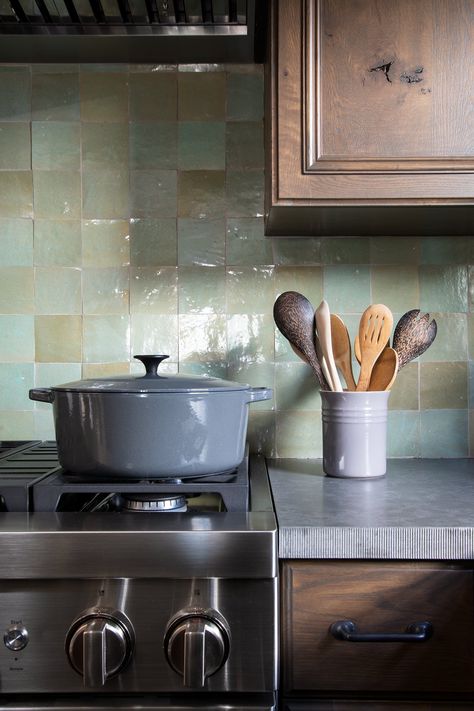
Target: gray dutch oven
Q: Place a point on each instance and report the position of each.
(151, 426)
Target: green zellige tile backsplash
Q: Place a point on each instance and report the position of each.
(131, 221)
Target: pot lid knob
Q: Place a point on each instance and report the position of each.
(151, 363)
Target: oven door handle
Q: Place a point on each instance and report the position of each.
(346, 631)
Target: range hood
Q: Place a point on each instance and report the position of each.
(157, 31)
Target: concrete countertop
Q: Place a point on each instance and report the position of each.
(422, 509)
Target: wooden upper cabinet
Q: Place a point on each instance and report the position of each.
(371, 106)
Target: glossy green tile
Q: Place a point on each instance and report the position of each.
(105, 194)
(104, 97)
(16, 243)
(153, 242)
(104, 146)
(296, 250)
(404, 394)
(153, 193)
(201, 290)
(43, 424)
(250, 290)
(201, 194)
(443, 386)
(56, 145)
(57, 243)
(106, 291)
(17, 343)
(250, 338)
(58, 290)
(56, 68)
(450, 343)
(153, 96)
(57, 193)
(283, 351)
(106, 339)
(386, 283)
(154, 290)
(51, 374)
(201, 145)
(394, 250)
(445, 250)
(246, 243)
(471, 288)
(15, 146)
(55, 97)
(201, 242)
(245, 97)
(16, 290)
(107, 67)
(16, 193)
(58, 339)
(403, 434)
(155, 333)
(244, 145)
(307, 280)
(154, 145)
(347, 288)
(201, 96)
(211, 368)
(470, 331)
(15, 93)
(105, 370)
(443, 288)
(105, 243)
(16, 379)
(298, 434)
(261, 433)
(202, 337)
(256, 375)
(244, 193)
(296, 387)
(17, 425)
(444, 433)
(350, 250)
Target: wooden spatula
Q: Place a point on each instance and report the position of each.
(374, 330)
(341, 348)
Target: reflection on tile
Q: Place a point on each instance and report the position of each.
(155, 333)
(16, 193)
(202, 337)
(299, 434)
(105, 194)
(245, 97)
(257, 375)
(244, 146)
(58, 291)
(16, 243)
(307, 280)
(153, 193)
(450, 343)
(386, 289)
(55, 97)
(153, 145)
(350, 250)
(403, 434)
(443, 288)
(17, 425)
(15, 93)
(212, 368)
(246, 243)
(57, 193)
(56, 145)
(201, 96)
(404, 392)
(443, 386)
(394, 250)
(16, 290)
(250, 338)
(347, 288)
(15, 153)
(58, 339)
(201, 290)
(57, 243)
(16, 379)
(154, 290)
(201, 145)
(17, 343)
(106, 291)
(296, 250)
(244, 193)
(296, 387)
(106, 339)
(153, 242)
(201, 242)
(105, 243)
(250, 290)
(201, 194)
(445, 250)
(153, 96)
(104, 146)
(104, 97)
(261, 432)
(444, 433)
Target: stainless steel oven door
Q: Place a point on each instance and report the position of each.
(79, 702)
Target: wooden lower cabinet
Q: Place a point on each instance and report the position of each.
(379, 597)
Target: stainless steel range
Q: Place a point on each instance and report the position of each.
(135, 594)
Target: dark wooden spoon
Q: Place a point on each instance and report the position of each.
(413, 335)
(294, 316)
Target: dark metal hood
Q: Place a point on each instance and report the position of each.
(157, 31)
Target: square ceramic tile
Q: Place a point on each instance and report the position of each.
(201, 290)
(443, 386)
(296, 251)
(250, 290)
(154, 145)
(443, 288)
(15, 93)
(244, 193)
(153, 242)
(106, 339)
(17, 343)
(201, 194)
(17, 425)
(16, 193)
(104, 97)
(470, 330)
(15, 146)
(306, 280)
(296, 388)
(201, 96)
(201, 145)
(16, 243)
(155, 333)
(244, 145)
(298, 434)
(250, 338)
(394, 250)
(104, 146)
(57, 243)
(55, 97)
(105, 370)
(450, 343)
(261, 432)
(105, 194)
(56, 145)
(58, 290)
(16, 379)
(386, 289)
(153, 193)
(106, 291)
(350, 250)
(51, 374)
(58, 339)
(153, 96)
(257, 375)
(245, 97)
(57, 193)
(445, 250)
(105, 243)
(347, 288)
(405, 391)
(16, 290)
(246, 243)
(202, 337)
(154, 290)
(444, 433)
(403, 434)
(201, 242)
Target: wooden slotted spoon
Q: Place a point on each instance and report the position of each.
(374, 331)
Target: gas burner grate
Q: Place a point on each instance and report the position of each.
(22, 465)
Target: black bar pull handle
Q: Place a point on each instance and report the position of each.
(346, 630)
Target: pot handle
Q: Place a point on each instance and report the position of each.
(42, 395)
(256, 394)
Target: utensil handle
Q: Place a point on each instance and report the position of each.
(42, 395)
(346, 631)
(256, 394)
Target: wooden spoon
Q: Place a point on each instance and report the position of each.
(384, 371)
(413, 335)
(294, 317)
(323, 324)
(374, 330)
(341, 348)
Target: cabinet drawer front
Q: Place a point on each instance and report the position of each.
(378, 598)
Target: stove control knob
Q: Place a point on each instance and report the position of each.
(197, 646)
(15, 637)
(99, 645)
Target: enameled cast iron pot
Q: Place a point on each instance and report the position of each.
(151, 426)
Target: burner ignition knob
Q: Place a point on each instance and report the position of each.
(15, 638)
(197, 646)
(98, 646)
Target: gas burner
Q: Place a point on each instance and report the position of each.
(151, 482)
(151, 503)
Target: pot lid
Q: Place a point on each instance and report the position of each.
(151, 381)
